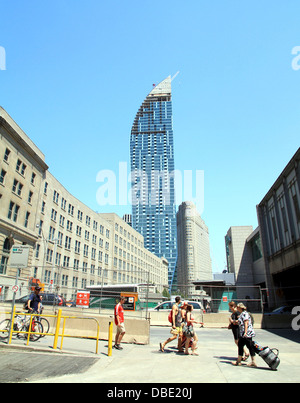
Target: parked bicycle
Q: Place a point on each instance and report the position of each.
(45, 324)
(21, 327)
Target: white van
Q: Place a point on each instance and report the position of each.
(167, 305)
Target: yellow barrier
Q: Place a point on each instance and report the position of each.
(62, 335)
(12, 325)
(57, 329)
(56, 335)
(29, 330)
(110, 338)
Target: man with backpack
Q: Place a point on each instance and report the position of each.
(34, 302)
(176, 330)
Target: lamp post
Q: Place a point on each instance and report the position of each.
(41, 234)
(53, 263)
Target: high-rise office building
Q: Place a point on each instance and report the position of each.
(152, 168)
(194, 261)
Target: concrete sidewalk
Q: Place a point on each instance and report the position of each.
(146, 364)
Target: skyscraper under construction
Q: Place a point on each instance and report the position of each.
(152, 169)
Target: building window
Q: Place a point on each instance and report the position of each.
(69, 225)
(21, 167)
(68, 242)
(53, 215)
(26, 219)
(17, 187)
(13, 211)
(296, 207)
(45, 188)
(33, 176)
(37, 251)
(71, 210)
(51, 233)
(64, 281)
(66, 261)
(8, 243)
(47, 276)
(6, 155)
(30, 197)
(55, 197)
(75, 282)
(2, 176)
(49, 255)
(43, 207)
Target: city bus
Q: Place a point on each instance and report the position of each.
(106, 296)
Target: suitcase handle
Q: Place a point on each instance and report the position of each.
(276, 350)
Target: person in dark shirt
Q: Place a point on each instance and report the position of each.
(34, 301)
(233, 321)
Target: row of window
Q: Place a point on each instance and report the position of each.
(64, 282)
(20, 166)
(79, 212)
(13, 212)
(280, 219)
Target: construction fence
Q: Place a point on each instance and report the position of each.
(104, 288)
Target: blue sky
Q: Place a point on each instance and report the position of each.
(77, 72)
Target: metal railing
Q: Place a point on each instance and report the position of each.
(57, 332)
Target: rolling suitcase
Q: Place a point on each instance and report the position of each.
(268, 355)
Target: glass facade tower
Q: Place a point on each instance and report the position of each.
(152, 170)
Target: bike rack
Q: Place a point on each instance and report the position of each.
(29, 329)
(57, 333)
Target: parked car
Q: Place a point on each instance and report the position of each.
(167, 305)
(48, 299)
(281, 310)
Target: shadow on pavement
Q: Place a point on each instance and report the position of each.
(289, 334)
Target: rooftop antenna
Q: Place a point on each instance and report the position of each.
(175, 75)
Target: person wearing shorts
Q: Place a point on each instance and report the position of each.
(119, 322)
(176, 330)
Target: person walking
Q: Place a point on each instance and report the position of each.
(234, 326)
(191, 335)
(119, 322)
(246, 332)
(176, 330)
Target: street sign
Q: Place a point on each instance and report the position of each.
(15, 288)
(19, 256)
(83, 299)
(130, 300)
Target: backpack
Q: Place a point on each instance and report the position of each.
(25, 306)
(170, 317)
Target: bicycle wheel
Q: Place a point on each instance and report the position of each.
(36, 328)
(4, 329)
(45, 324)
